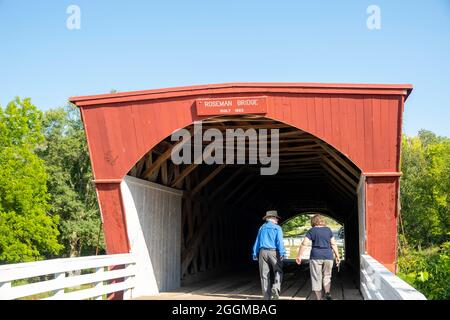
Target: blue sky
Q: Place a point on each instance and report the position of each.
(136, 45)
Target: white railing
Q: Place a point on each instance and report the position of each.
(67, 273)
(378, 283)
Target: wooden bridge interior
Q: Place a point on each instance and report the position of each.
(223, 204)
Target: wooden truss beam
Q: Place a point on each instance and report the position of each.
(342, 182)
(227, 182)
(239, 187)
(205, 181)
(341, 161)
(340, 171)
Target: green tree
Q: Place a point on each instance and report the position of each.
(439, 171)
(424, 188)
(428, 270)
(73, 196)
(27, 231)
(295, 226)
(424, 256)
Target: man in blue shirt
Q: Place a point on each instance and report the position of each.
(269, 251)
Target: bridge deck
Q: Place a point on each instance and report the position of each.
(296, 286)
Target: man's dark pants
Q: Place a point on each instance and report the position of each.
(270, 260)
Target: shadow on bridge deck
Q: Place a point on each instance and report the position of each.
(246, 286)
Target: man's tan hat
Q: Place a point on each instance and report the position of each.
(271, 213)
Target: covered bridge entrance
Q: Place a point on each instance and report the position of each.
(338, 144)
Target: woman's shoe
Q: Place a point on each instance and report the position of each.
(328, 296)
(275, 295)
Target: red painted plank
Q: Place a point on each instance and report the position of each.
(318, 105)
(301, 112)
(385, 134)
(311, 114)
(360, 156)
(381, 219)
(113, 217)
(287, 112)
(335, 119)
(353, 147)
(368, 134)
(399, 123)
(347, 128)
(328, 129)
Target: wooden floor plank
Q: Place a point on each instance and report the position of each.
(296, 285)
(286, 285)
(336, 288)
(304, 293)
(216, 286)
(300, 281)
(254, 293)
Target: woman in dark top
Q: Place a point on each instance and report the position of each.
(320, 237)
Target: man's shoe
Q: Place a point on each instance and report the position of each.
(328, 296)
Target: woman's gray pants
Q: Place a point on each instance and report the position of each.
(270, 260)
(320, 274)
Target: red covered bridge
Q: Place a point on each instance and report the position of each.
(339, 152)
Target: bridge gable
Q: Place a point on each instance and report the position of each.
(363, 122)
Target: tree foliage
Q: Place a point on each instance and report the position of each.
(428, 270)
(424, 188)
(72, 194)
(424, 241)
(47, 201)
(300, 223)
(27, 231)
(294, 226)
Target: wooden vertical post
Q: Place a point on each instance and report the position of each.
(113, 217)
(114, 221)
(128, 293)
(381, 219)
(60, 276)
(4, 288)
(98, 285)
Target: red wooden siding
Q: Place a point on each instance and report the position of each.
(361, 121)
(365, 129)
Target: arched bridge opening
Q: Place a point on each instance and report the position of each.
(221, 204)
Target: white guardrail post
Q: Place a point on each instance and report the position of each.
(89, 284)
(99, 285)
(59, 278)
(378, 283)
(4, 287)
(127, 294)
